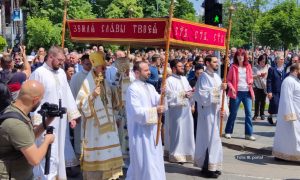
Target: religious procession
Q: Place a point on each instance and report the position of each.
(148, 99)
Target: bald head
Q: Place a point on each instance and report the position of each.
(119, 54)
(31, 89)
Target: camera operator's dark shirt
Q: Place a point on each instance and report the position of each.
(14, 135)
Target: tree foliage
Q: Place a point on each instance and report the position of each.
(52, 10)
(124, 9)
(280, 27)
(155, 8)
(3, 43)
(244, 20)
(99, 7)
(184, 9)
(42, 33)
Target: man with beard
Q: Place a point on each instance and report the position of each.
(209, 87)
(142, 107)
(56, 85)
(181, 125)
(101, 156)
(18, 152)
(287, 134)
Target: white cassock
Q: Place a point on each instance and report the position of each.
(75, 84)
(208, 96)
(167, 135)
(287, 134)
(56, 87)
(146, 159)
(102, 156)
(181, 124)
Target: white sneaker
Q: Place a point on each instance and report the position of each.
(251, 138)
(227, 136)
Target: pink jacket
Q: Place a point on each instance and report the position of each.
(233, 79)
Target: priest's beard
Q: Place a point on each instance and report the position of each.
(179, 73)
(144, 78)
(216, 69)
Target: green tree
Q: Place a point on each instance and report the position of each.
(280, 27)
(155, 8)
(99, 7)
(184, 9)
(244, 20)
(42, 33)
(124, 9)
(53, 11)
(3, 43)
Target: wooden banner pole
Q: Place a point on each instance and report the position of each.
(163, 84)
(231, 9)
(64, 24)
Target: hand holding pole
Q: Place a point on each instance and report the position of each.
(163, 84)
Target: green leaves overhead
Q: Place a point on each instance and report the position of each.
(42, 33)
(184, 9)
(45, 20)
(3, 43)
(280, 27)
(124, 8)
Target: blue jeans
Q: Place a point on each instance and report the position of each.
(245, 97)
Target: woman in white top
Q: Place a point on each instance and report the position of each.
(240, 81)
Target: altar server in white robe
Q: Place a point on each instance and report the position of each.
(208, 92)
(166, 125)
(101, 152)
(56, 87)
(142, 108)
(287, 134)
(181, 124)
(75, 85)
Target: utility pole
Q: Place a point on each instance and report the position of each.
(3, 24)
(19, 25)
(12, 22)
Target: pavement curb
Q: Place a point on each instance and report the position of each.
(242, 147)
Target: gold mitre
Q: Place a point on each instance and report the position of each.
(97, 59)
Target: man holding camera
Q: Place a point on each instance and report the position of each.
(18, 152)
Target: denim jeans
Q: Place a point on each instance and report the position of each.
(245, 97)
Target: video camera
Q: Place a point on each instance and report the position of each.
(50, 110)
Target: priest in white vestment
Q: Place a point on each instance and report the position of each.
(287, 134)
(208, 92)
(166, 125)
(142, 108)
(75, 84)
(101, 155)
(56, 87)
(180, 118)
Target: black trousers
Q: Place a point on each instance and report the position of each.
(260, 102)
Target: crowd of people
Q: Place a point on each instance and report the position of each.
(113, 103)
